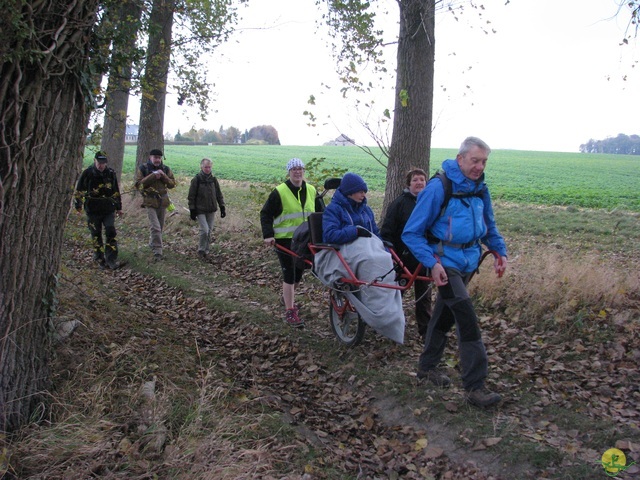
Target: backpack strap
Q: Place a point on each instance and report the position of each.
(448, 194)
(145, 171)
(448, 189)
(197, 187)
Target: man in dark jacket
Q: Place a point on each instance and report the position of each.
(98, 190)
(205, 197)
(397, 215)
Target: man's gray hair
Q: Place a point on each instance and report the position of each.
(205, 160)
(471, 142)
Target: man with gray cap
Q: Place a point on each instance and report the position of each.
(287, 207)
(98, 191)
(154, 179)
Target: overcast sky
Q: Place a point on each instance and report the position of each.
(548, 79)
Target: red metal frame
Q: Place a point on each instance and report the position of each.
(351, 279)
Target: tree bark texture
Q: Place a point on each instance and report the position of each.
(413, 109)
(115, 122)
(154, 82)
(126, 18)
(44, 102)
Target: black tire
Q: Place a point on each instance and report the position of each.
(346, 323)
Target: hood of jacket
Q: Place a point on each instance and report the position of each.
(347, 202)
(205, 177)
(459, 181)
(407, 193)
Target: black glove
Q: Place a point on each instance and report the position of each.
(193, 213)
(362, 232)
(223, 211)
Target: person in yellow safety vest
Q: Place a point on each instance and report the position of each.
(287, 207)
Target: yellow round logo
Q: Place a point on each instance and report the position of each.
(614, 461)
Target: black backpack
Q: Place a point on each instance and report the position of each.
(300, 246)
(448, 190)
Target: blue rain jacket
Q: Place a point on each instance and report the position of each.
(341, 217)
(464, 221)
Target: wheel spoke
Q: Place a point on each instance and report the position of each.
(349, 329)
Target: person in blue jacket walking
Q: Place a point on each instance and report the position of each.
(348, 216)
(453, 231)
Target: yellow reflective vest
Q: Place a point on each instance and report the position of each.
(293, 212)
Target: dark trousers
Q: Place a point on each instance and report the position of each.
(291, 274)
(422, 295)
(453, 307)
(103, 250)
(422, 292)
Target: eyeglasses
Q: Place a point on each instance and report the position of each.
(297, 169)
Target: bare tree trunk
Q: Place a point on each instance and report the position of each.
(127, 22)
(44, 101)
(413, 111)
(115, 123)
(154, 83)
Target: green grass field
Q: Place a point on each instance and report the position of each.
(527, 177)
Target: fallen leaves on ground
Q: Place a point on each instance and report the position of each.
(593, 372)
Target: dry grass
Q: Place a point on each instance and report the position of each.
(551, 284)
(123, 409)
(213, 437)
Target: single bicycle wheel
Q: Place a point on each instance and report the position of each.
(346, 323)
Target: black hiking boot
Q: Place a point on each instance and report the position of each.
(98, 257)
(114, 264)
(435, 376)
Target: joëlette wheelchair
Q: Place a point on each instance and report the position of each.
(346, 323)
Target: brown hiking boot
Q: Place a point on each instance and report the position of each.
(435, 376)
(483, 397)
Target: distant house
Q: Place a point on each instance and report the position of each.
(341, 141)
(131, 134)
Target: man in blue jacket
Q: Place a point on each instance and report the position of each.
(453, 229)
